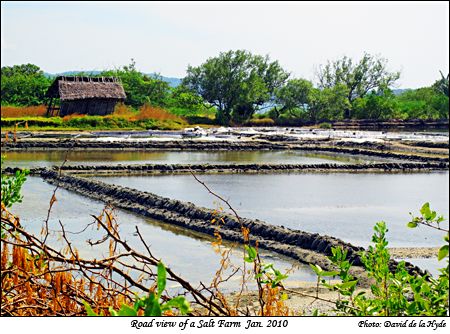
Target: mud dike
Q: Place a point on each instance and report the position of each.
(309, 248)
(151, 169)
(251, 168)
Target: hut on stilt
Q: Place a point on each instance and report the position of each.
(84, 95)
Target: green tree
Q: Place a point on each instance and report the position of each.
(329, 103)
(380, 104)
(23, 85)
(424, 103)
(140, 88)
(441, 85)
(237, 83)
(189, 102)
(360, 77)
(294, 95)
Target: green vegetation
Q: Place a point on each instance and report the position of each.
(394, 293)
(23, 85)
(11, 187)
(237, 87)
(237, 83)
(359, 78)
(91, 123)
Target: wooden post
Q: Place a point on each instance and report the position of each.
(49, 107)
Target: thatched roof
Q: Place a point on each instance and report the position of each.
(79, 88)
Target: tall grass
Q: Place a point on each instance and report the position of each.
(12, 111)
(157, 113)
(124, 117)
(121, 110)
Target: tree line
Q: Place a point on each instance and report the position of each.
(238, 86)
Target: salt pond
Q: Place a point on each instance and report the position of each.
(29, 159)
(344, 205)
(189, 254)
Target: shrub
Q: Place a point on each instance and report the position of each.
(395, 293)
(261, 122)
(201, 120)
(325, 125)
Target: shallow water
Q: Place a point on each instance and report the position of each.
(343, 205)
(31, 159)
(430, 264)
(189, 254)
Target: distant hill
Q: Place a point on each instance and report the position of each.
(173, 82)
(400, 91)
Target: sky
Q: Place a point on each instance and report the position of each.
(167, 37)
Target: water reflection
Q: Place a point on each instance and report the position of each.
(30, 159)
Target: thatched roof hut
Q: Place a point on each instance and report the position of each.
(84, 95)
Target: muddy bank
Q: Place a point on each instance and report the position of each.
(413, 124)
(186, 144)
(443, 145)
(368, 149)
(299, 245)
(149, 169)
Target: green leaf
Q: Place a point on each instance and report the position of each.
(179, 303)
(161, 279)
(433, 215)
(443, 252)
(113, 312)
(316, 269)
(89, 310)
(126, 311)
(347, 285)
(152, 307)
(412, 224)
(425, 211)
(251, 252)
(148, 303)
(156, 310)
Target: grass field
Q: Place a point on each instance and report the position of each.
(147, 117)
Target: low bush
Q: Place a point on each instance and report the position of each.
(325, 125)
(261, 122)
(394, 292)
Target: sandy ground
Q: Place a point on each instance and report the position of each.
(301, 300)
(414, 252)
